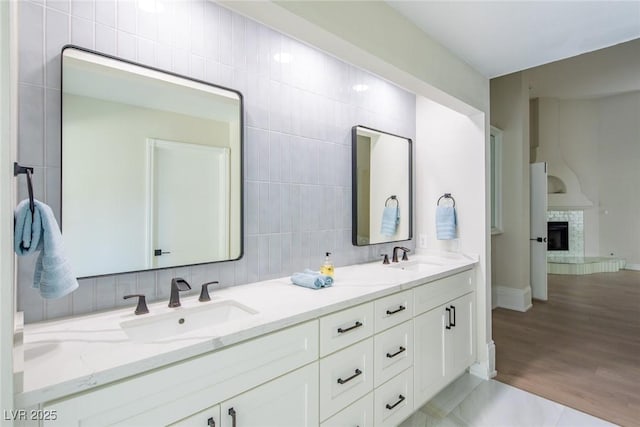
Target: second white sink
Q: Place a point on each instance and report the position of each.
(420, 267)
(151, 327)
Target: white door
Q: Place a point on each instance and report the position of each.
(188, 203)
(538, 241)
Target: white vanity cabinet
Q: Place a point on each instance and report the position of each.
(370, 364)
(444, 335)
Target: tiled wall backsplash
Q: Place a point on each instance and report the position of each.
(297, 133)
(576, 232)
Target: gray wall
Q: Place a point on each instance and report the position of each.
(297, 134)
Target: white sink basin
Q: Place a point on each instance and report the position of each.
(184, 320)
(420, 267)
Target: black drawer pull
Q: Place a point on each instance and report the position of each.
(453, 308)
(232, 412)
(211, 422)
(398, 310)
(357, 372)
(448, 326)
(357, 325)
(391, 356)
(400, 400)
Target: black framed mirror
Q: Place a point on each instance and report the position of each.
(151, 167)
(381, 187)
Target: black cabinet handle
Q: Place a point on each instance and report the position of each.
(211, 422)
(357, 373)
(350, 328)
(400, 400)
(448, 326)
(453, 309)
(398, 310)
(401, 350)
(232, 412)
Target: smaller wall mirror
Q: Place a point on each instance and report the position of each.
(381, 199)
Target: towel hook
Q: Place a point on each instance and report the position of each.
(392, 198)
(447, 196)
(18, 170)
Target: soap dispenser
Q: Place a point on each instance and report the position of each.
(327, 267)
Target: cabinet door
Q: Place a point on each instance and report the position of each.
(461, 348)
(288, 401)
(429, 359)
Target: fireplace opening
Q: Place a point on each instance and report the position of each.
(558, 236)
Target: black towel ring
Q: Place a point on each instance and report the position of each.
(18, 170)
(392, 198)
(447, 196)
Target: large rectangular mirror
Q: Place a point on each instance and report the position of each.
(151, 167)
(381, 174)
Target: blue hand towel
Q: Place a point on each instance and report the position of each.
(445, 222)
(311, 279)
(390, 220)
(53, 276)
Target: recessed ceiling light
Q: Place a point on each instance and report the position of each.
(283, 57)
(360, 87)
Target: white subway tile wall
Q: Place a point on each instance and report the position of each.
(576, 232)
(298, 119)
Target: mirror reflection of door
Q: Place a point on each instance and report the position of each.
(181, 221)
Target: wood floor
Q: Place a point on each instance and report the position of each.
(580, 348)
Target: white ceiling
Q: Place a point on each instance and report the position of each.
(502, 37)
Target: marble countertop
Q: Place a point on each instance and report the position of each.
(72, 355)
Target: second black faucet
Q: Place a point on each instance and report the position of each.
(178, 285)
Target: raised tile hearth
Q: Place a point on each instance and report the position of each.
(583, 265)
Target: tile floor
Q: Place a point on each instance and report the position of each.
(471, 402)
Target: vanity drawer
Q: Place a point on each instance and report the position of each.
(393, 352)
(393, 401)
(341, 329)
(358, 414)
(393, 310)
(345, 377)
(431, 295)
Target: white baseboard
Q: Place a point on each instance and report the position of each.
(512, 298)
(487, 369)
(632, 267)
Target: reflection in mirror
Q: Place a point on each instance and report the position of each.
(151, 167)
(381, 173)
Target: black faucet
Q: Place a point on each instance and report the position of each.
(404, 253)
(141, 308)
(177, 285)
(204, 291)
